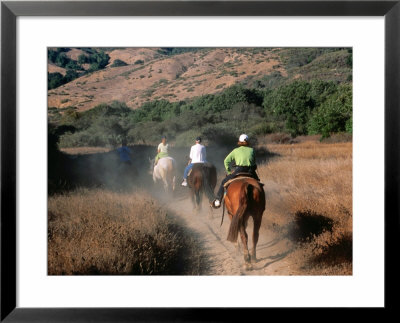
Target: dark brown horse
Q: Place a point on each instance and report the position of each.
(202, 179)
(245, 197)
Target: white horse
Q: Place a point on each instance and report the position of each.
(164, 171)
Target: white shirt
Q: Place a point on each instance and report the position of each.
(198, 153)
(162, 148)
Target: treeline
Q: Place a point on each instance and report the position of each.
(97, 59)
(298, 108)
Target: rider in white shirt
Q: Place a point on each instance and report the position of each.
(197, 155)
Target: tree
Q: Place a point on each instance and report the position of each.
(334, 115)
(294, 102)
(54, 80)
(62, 59)
(118, 63)
(70, 75)
(82, 59)
(52, 55)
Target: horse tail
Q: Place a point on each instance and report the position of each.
(207, 185)
(237, 220)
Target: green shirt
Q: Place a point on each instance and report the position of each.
(243, 156)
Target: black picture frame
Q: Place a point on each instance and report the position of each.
(10, 10)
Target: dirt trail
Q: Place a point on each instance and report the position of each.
(223, 256)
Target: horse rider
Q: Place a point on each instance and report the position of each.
(162, 150)
(197, 155)
(124, 153)
(244, 158)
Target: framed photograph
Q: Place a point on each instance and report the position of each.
(162, 158)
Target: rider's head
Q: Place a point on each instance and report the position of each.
(198, 140)
(163, 139)
(243, 140)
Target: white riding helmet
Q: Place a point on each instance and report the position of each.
(243, 138)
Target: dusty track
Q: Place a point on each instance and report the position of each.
(223, 256)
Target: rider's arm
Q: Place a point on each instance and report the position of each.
(228, 160)
(191, 153)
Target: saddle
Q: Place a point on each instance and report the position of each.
(239, 176)
(203, 164)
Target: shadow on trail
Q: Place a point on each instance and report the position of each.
(270, 243)
(275, 258)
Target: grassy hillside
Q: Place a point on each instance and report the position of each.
(175, 75)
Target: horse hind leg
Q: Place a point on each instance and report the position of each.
(244, 237)
(256, 229)
(173, 182)
(165, 181)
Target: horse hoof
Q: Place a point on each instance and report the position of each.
(253, 260)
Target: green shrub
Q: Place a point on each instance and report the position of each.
(54, 80)
(62, 60)
(296, 102)
(118, 63)
(186, 139)
(57, 79)
(334, 115)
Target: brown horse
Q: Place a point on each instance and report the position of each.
(202, 179)
(245, 197)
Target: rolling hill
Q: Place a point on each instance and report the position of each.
(155, 73)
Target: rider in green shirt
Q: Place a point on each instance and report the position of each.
(245, 161)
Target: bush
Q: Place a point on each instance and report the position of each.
(54, 80)
(118, 63)
(57, 79)
(62, 60)
(295, 103)
(221, 135)
(335, 115)
(83, 59)
(186, 139)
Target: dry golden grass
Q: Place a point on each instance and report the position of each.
(101, 232)
(309, 197)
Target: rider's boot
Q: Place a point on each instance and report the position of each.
(217, 202)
